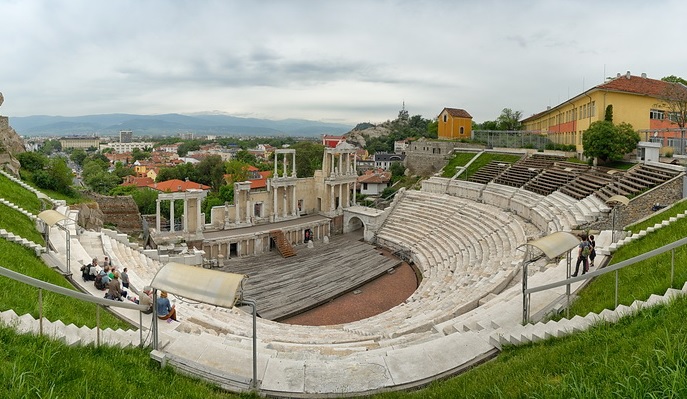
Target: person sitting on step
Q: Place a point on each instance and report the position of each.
(165, 310)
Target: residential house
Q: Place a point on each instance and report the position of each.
(454, 124)
(374, 181)
(384, 160)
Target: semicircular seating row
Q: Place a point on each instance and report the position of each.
(465, 251)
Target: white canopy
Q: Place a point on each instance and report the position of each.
(50, 217)
(204, 285)
(555, 244)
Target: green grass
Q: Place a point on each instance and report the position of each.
(36, 367)
(462, 158)
(641, 356)
(16, 194)
(23, 298)
(663, 214)
(640, 280)
(459, 159)
(19, 224)
(487, 157)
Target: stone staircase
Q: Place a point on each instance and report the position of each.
(70, 334)
(283, 245)
(519, 334)
(39, 249)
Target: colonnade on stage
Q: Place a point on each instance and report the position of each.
(284, 187)
(341, 174)
(225, 248)
(192, 219)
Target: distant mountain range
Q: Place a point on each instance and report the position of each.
(169, 125)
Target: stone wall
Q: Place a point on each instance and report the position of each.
(426, 157)
(121, 212)
(640, 206)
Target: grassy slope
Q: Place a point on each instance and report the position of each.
(24, 298)
(16, 194)
(462, 158)
(37, 367)
(664, 214)
(19, 224)
(638, 281)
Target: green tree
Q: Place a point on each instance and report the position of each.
(509, 119)
(78, 156)
(137, 154)
(397, 171)
(237, 170)
(96, 176)
(608, 116)
(121, 171)
(246, 157)
(211, 171)
(57, 176)
(606, 141)
(32, 161)
(50, 146)
(186, 146)
(308, 158)
(674, 79)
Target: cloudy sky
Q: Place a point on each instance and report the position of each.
(334, 61)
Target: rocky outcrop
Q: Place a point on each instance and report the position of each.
(10, 145)
(356, 136)
(90, 216)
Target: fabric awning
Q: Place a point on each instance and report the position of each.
(556, 244)
(51, 217)
(204, 285)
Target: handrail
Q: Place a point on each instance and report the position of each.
(608, 269)
(66, 291)
(526, 292)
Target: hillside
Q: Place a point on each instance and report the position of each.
(153, 125)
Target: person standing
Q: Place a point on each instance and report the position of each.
(582, 254)
(125, 278)
(592, 254)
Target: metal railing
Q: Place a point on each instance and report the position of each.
(42, 285)
(608, 269)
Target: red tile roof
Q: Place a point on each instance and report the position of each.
(138, 181)
(457, 112)
(633, 85)
(640, 85)
(375, 176)
(176, 185)
(261, 182)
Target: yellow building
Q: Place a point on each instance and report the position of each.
(454, 124)
(635, 99)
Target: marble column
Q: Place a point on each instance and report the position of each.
(171, 216)
(157, 215)
(237, 201)
(184, 225)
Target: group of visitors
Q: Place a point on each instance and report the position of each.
(586, 252)
(108, 278)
